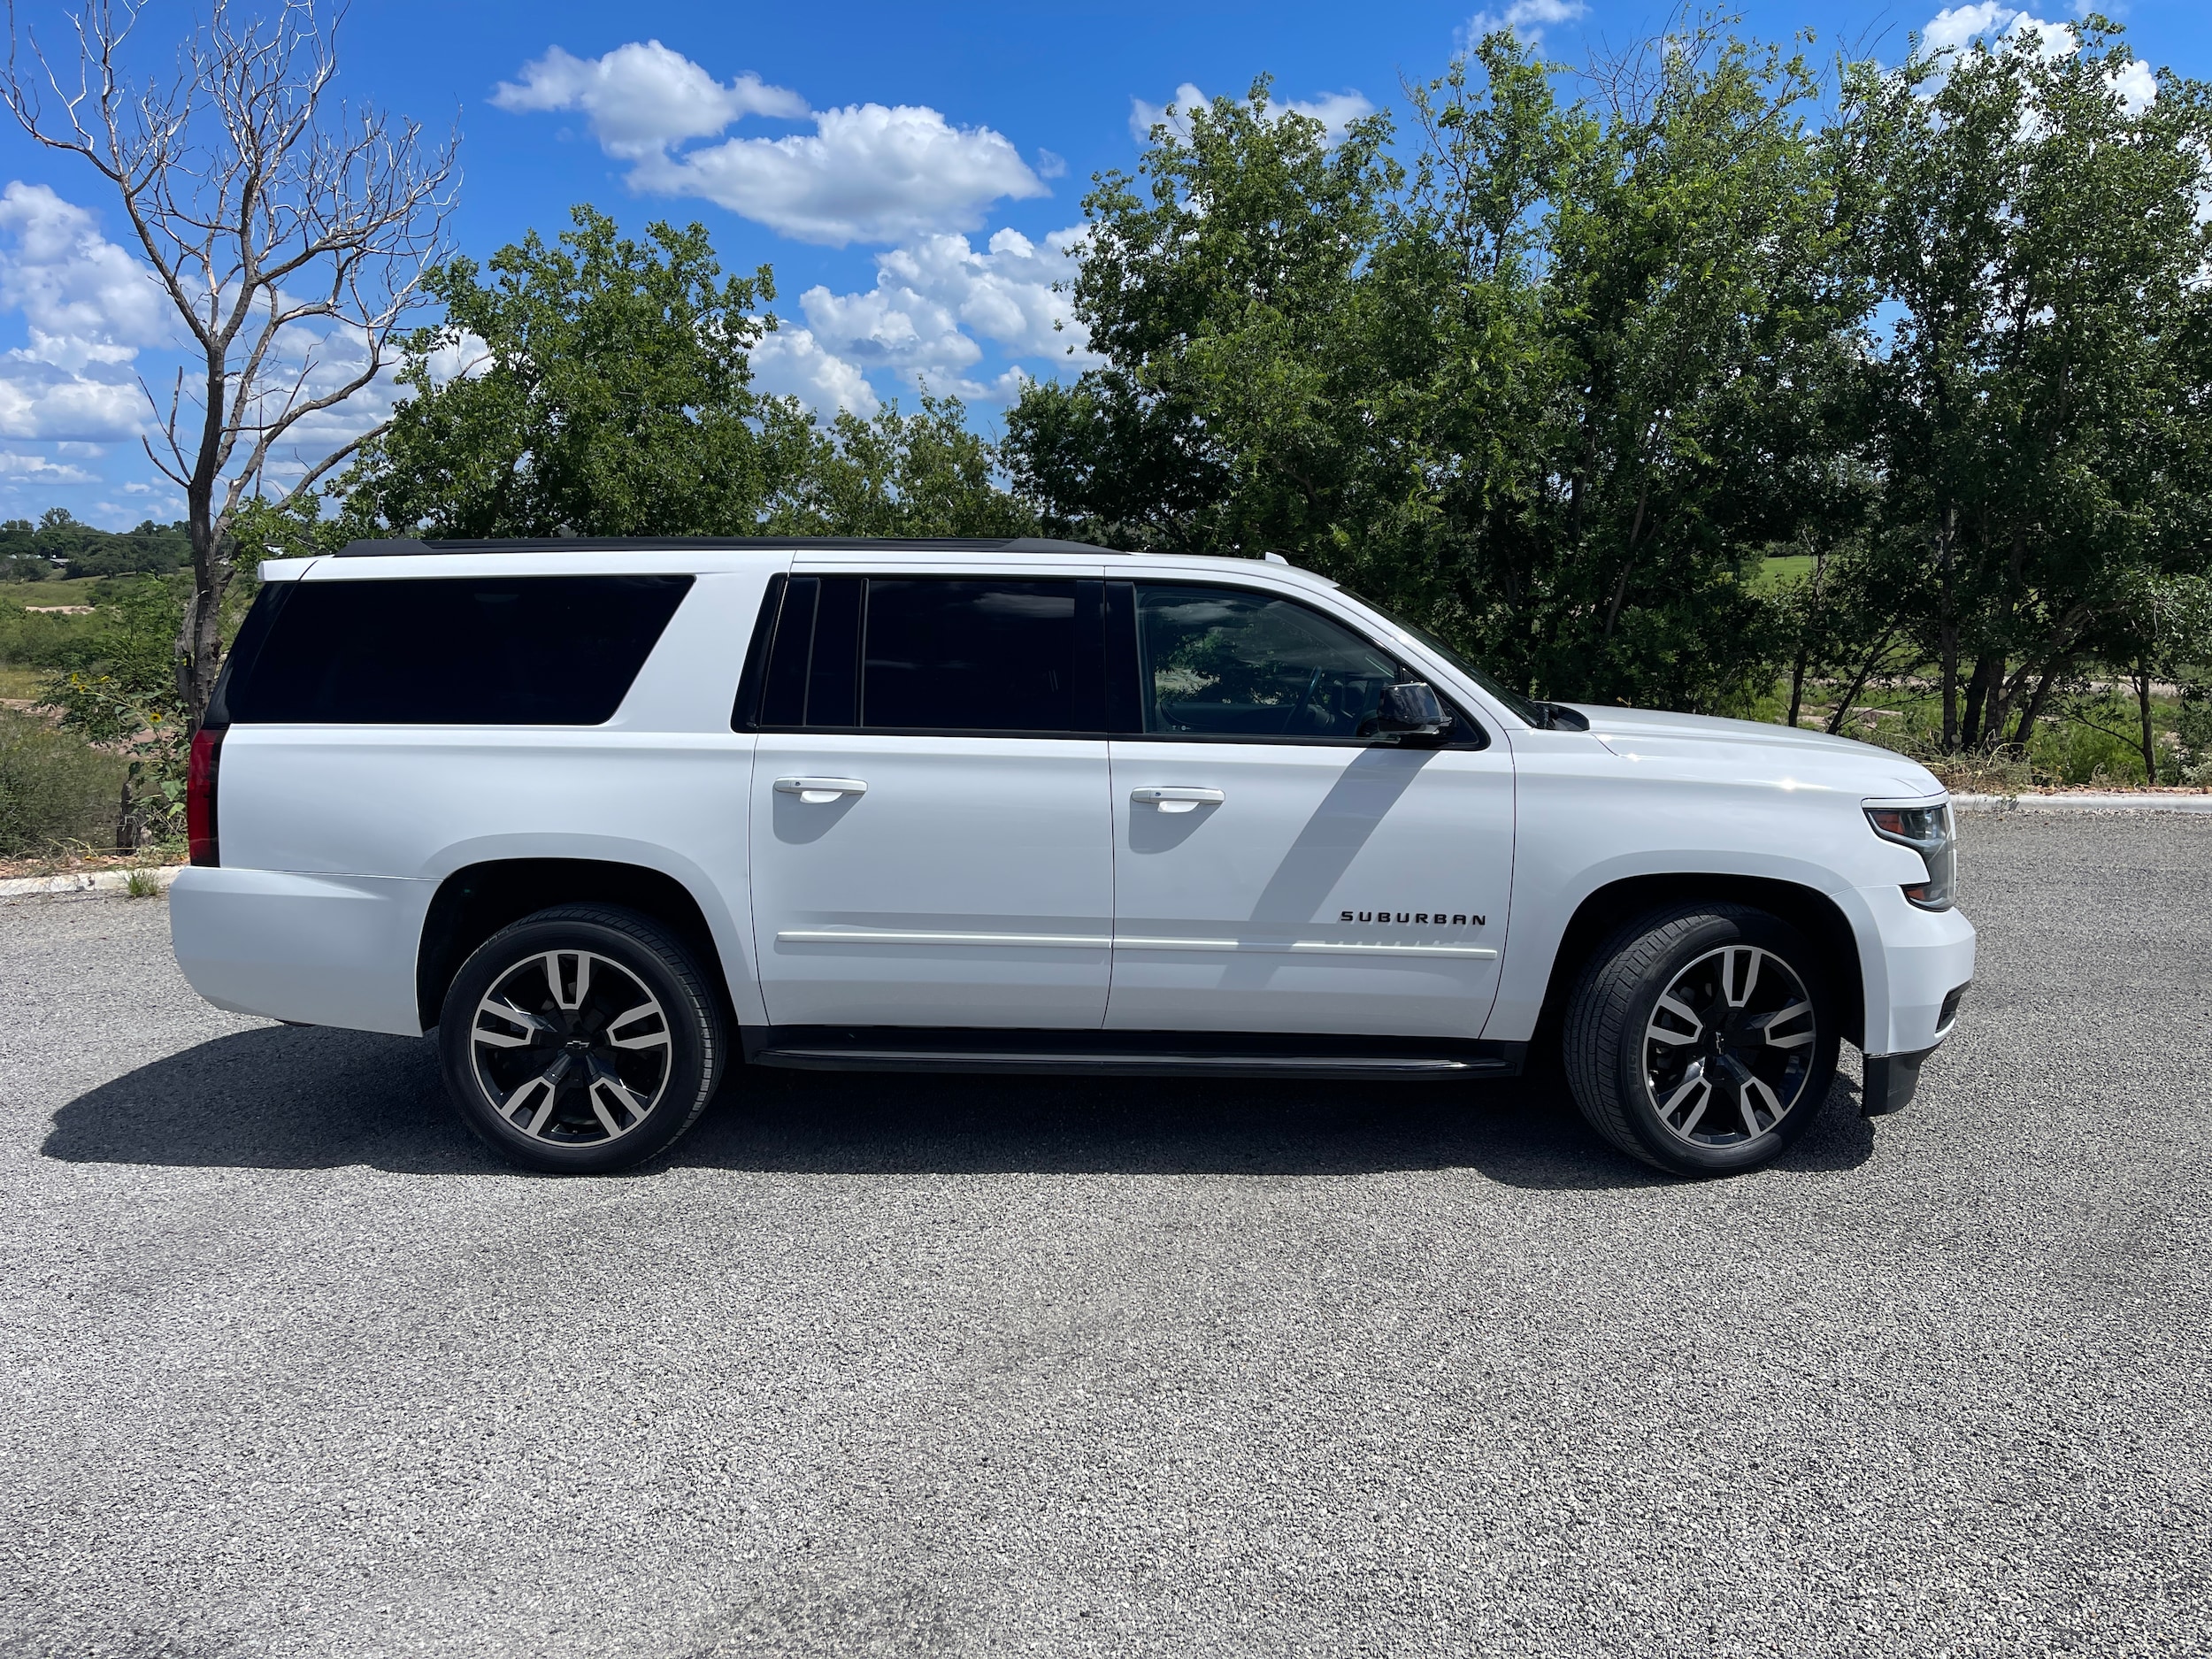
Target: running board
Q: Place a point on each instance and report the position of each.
(1129, 1054)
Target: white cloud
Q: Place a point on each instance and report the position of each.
(38, 400)
(792, 362)
(2138, 87)
(1960, 27)
(1527, 19)
(1335, 111)
(866, 173)
(84, 299)
(36, 469)
(642, 98)
(88, 307)
(936, 296)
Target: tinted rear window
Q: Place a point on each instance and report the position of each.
(529, 650)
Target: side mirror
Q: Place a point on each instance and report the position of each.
(1412, 710)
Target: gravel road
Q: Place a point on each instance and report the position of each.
(949, 1366)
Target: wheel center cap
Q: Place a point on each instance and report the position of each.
(577, 1044)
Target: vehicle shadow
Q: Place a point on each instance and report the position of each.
(286, 1097)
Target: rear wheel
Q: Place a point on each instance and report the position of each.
(1702, 1040)
(581, 1039)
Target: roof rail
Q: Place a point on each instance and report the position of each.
(392, 546)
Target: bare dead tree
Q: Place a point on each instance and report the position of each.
(289, 228)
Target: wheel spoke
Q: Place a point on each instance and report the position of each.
(606, 1083)
(536, 1090)
(1735, 997)
(1693, 1080)
(1672, 1004)
(494, 1008)
(648, 1040)
(1751, 1092)
(1783, 1016)
(561, 998)
(599, 1110)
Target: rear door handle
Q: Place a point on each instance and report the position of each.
(1178, 800)
(819, 791)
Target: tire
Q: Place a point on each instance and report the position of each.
(1703, 1039)
(581, 1040)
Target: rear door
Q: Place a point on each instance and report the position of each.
(1278, 866)
(931, 832)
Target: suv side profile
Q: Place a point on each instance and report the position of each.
(617, 819)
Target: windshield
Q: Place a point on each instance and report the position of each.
(1535, 713)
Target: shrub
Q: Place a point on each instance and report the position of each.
(55, 787)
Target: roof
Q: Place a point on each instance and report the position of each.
(401, 545)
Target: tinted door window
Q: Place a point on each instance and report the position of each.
(531, 650)
(969, 657)
(1229, 661)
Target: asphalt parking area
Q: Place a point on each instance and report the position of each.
(875, 1365)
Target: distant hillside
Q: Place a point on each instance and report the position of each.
(59, 545)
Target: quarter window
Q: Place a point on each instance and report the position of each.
(529, 650)
(1229, 662)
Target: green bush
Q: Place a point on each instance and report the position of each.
(55, 787)
(2193, 726)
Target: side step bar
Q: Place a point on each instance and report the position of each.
(1125, 1054)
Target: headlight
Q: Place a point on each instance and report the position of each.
(1927, 830)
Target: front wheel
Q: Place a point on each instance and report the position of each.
(1703, 1039)
(581, 1040)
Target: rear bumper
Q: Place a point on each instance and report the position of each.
(313, 949)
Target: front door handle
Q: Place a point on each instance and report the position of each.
(819, 791)
(1178, 800)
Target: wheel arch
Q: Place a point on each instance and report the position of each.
(1606, 909)
(476, 901)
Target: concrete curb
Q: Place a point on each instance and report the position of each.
(94, 881)
(2140, 802)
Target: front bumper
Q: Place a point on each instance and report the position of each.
(1915, 965)
(1890, 1081)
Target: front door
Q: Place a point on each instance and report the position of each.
(1275, 867)
(931, 834)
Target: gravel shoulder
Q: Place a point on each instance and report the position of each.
(878, 1365)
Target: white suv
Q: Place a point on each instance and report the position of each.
(612, 815)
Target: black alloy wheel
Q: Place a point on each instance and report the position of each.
(581, 1039)
(1703, 1039)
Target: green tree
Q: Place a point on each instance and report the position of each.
(2042, 409)
(1551, 390)
(923, 474)
(597, 386)
(1218, 287)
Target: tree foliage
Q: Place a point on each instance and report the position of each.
(1558, 383)
(599, 385)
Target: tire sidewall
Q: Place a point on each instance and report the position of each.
(1712, 932)
(694, 1042)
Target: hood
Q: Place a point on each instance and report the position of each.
(1654, 731)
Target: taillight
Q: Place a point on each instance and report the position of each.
(199, 796)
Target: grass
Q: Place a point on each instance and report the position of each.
(2090, 745)
(20, 682)
(58, 591)
(58, 793)
(1774, 571)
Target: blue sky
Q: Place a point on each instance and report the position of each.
(913, 174)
